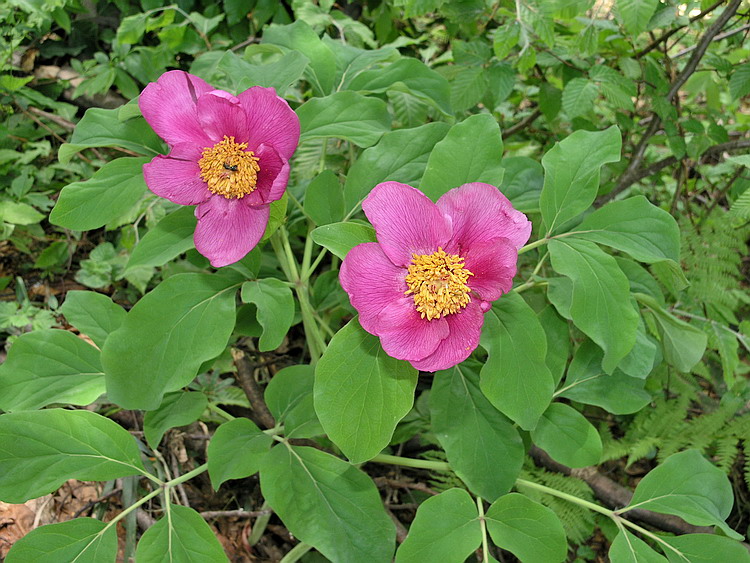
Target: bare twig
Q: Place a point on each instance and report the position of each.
(717, 38)
(525, 122)
(208, 514)
(246, 379)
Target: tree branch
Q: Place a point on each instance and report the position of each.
(525, 122)
(246, 379)
(628, 177)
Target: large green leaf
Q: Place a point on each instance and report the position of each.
(635, 14)
(103, 128)
(236, 451)
(528, 530)
(627, 548)
(689, 486)
(522, 182)
(177, 409)
(171, 236)
(739, 82)
(446, 528)
(483, 447)
(83, 540)
(327, 503)
(300, 37)
(345, 115)
(40, 450)
(50, 366)
(420, 80)
(340, 238)
(516, 378)
(683, 344)
(472, 151)
(275, 304)
(572, 170)
(587, 383)
(635, 226)
(600, 305)
(279, 74)
(166, 337)
(324, 199)
(566, 435)
(289, 396)
(705, 548)
(578, 97)
(358, 386)
(113, 190)
(180, 536)
(400, 156)
(94, 314)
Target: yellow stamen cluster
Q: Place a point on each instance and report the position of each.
(438, 283)
(229, 169)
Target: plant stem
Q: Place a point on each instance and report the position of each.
(221, 412)
(296, 553)
(411, 462)
(483, 526)
(533, 245)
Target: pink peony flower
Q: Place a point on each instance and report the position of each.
(424, 287)
(229, 155)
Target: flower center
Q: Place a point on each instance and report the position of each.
(229, 169)
(438, 283)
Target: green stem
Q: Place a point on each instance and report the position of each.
(565, 496)
(296, 553)
(411, 462)
(533, 245)
(221, 412)
(483, 525)
(323, 154)
(260, 526)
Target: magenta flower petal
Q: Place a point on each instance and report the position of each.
(226, 231)
(273, 176)
(372, 282)
(176, 180)
(405, 335)
(270, 121)
(169, 106)
(480, 213)
(406, 221)
(221, 116)
(493, 264)
(465, 328)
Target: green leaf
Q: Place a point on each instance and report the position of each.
(683, 344)
(93, 314)
(587, 383)
(103, 128)
(113, 190)
(483, 447)
(522, 182)
(83, 540)
(324, 200)
(400, 156)
(181, 536)
(346, 115)
(327, 503)
(446, 528)
(275, 304)
(236, 451)
(176, 409)
(615, 87)
(280, 74)
(635, 14)
(131, 29)
(705, 548)
(578, 97)
(289, 396)
(528, 530)
(689, 486)
(600, 304)
(516, 379)
(50, 366)
(358, 386)
(171, 236)
(300, 37)
(19, 213)
(627, 548)
(572, 169)
(550, 100)
(635, 226)
(43, 449)
(340, 238)
(557, 332)
(566, 435)
(420, 80)
(468, 87)
(166, 336)
(641, 359)
(472, 151)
